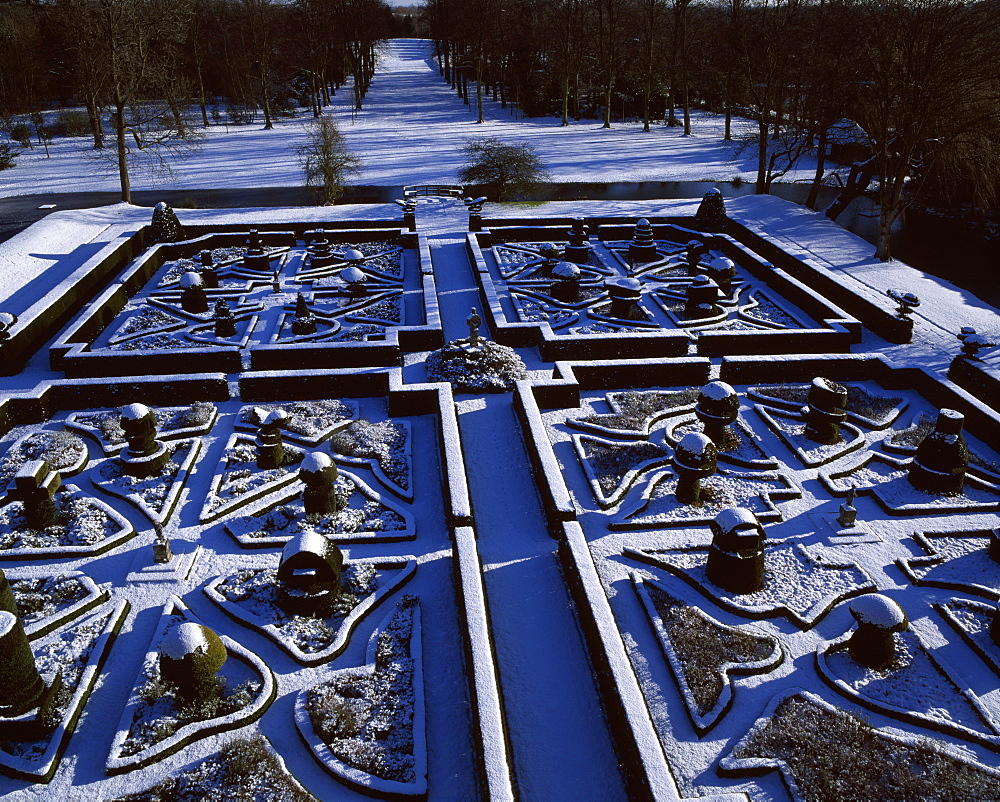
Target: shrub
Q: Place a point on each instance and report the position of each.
(501, 169)
(164, 226)
(21, 133)
(198, 414)
(71, 122)
(326, 160)
(8, 156)
(191, 669)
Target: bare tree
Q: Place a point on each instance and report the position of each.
(326, 161)
(133, 33)
(933, 86)
(500, 168)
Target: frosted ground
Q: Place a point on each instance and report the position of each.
(411, 132)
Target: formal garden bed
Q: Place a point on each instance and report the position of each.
(723, 530)
(618, 460)
(366, 724)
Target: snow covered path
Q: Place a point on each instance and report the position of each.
(411, 131)
(561, 748)
(546, 678)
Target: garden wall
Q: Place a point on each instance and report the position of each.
(517, 334)
(71, 352)
(980, 418)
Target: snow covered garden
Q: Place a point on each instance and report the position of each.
(661, 500)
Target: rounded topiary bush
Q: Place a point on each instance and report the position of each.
(488, 368)
(190, 656)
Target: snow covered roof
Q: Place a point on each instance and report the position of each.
(185, 639)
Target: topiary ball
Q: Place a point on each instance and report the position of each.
(190, 656)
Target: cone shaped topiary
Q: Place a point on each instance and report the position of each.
(190, 656)
(165, 227)
(22, 685)
(7, 602)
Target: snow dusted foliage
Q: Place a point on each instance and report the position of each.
(703, 652)
(245, 768)
(165, 227)
(370, 719)
(491, 368)
(252, 596)
(82, 523)
(171, 422)
(161, 717)
(64, 452)
(75, 652)
(386, 443)
(312, 420)
(857, 758)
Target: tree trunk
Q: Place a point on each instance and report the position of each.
(607, 101)
(565, 99)
(123, 176)
(885, 223)
(201, 98)
(94, 116)
(265, 103)
(820, 162)
(763, 125)
(479, 96)
(687, 106)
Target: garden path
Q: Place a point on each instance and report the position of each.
(546, 678)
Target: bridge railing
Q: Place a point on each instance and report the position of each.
(433, 190)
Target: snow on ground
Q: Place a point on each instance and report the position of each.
(411, 131)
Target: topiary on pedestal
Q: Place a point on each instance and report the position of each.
(879, 618)
(190, 656)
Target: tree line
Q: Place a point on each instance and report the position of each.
(921, 78)
(150, 73)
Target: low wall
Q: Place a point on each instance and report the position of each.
(40, 321)
(50, 397)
